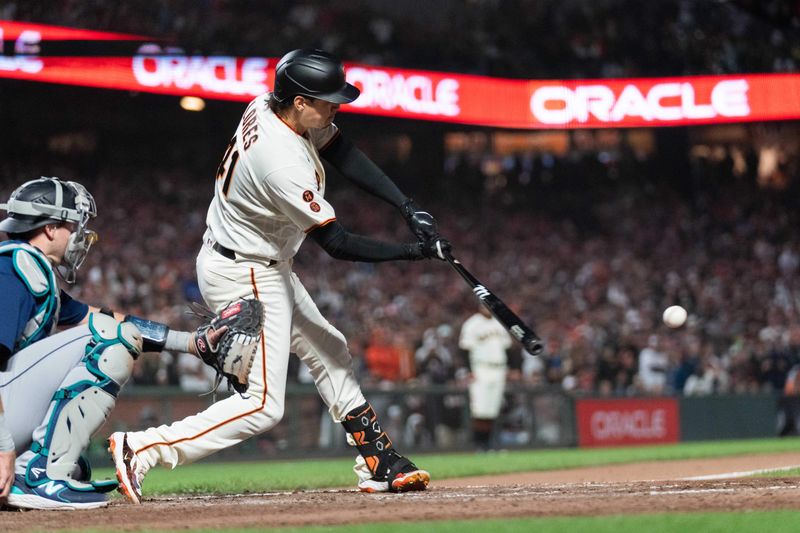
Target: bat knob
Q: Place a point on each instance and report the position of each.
(533, 346)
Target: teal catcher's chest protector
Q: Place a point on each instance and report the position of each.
(35, 271)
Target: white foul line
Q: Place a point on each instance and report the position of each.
(748, 473)
(702, 491)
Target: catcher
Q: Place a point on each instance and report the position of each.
(57, 389)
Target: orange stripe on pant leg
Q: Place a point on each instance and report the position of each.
(263, 342)
(248, 413)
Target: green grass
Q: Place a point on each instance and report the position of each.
(265, 476)
(771, 521)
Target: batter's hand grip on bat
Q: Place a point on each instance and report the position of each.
(514, 324)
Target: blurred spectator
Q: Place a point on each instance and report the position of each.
(193, 374)
(388, 360)
(486, 341)
(653, 365)
(708, 378)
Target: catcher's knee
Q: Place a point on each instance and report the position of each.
(112, 348)
(107, 331)
(86, 397)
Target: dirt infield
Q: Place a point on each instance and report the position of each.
(628, 489)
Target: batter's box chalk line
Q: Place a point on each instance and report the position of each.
(747, 473)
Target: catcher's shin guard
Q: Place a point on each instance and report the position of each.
(82, 404)
(390, 470)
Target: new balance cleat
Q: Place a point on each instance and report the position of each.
(53, 495)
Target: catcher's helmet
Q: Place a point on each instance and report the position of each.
(314, 73)
(37, 203)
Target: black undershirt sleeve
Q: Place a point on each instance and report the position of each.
(357, 167)
(341, 244)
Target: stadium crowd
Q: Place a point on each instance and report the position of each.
(589, 245)
(516, 38)
(590, 252)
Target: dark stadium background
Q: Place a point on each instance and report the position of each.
(588, 234)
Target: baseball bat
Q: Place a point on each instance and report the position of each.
(514, 324)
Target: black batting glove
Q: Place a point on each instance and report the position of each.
(422, 224)
(432, 249)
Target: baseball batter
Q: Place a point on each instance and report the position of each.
(270, 195)
(486, 340)
(57, 388)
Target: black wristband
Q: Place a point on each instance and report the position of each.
(414, 251)
(408, 208)
(107, 311)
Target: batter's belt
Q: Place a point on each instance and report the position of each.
(230, 254)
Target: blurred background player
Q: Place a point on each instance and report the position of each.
(57, 389)
(486, 340)
(269, 195)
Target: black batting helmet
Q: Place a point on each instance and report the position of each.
(314, 73)
(37, 203)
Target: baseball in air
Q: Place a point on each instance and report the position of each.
(674, 316)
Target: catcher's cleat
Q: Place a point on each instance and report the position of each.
(130, 473)
(52, 495)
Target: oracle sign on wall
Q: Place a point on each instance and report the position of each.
(214, 74)
(617, 102)
(405, 93)
(617, 422)
(410, 92)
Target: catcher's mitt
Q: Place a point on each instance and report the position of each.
(233, 355)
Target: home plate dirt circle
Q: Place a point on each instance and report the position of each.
(615, 489)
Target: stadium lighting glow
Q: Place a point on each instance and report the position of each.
(193, 103)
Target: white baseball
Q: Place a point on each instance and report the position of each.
(674, 316)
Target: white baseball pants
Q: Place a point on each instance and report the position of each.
(486, 390)
(34, 375)
(292, 323)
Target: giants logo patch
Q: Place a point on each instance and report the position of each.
(308, 196)
(314, 207)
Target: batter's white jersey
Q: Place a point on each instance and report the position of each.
(485, 339)
(267, 199)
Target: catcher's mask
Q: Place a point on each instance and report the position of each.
(36, 203)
